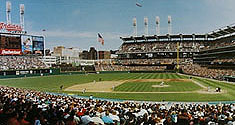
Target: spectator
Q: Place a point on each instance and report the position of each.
(21, 106)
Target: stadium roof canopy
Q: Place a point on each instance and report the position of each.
(222, 32)
(167, 36)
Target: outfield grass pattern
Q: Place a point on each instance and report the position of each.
(147, 87)
(52, 84)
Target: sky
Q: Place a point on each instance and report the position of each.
(76, 23)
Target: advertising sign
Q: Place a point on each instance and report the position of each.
(10, 52)
(38, 45)
(10, 27)
(26, 44)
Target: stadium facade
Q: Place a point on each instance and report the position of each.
(192, 54)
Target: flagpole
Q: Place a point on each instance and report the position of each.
(97, 52)
(97, 60)
(101, 40)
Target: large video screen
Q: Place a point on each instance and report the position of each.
(10, 44)
(38, 45)
(10, 41)
(26, 44)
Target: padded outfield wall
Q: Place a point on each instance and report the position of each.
(57, 71)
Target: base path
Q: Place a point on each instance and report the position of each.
(199, 84)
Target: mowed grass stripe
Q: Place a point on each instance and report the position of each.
(171, 76)
(152, 76)
(175, 76)
(161, 76)
(144, 76)
(206, 83)
(215, 84)
(148, 76)
(222, 84)
(165, 76)
(137, 76)
(147, 87)
(158, 76)
(179, 76)
(129, 77)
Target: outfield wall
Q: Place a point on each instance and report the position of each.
(28, 73)
(56, 71)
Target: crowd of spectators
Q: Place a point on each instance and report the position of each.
(150, 61)
(138, 64)
(20, 63)
(139, 68)
(135, 64)
(214, 73)
(110, 67)
(26, 107)
(218, 44)
(161, 46)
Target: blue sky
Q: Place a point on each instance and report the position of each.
(75, 23)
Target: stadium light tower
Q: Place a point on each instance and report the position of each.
(169, 24)
(135, 27)
(146, 25)
(22, 16)
(44, 42)
(157, 25)
(8, 12)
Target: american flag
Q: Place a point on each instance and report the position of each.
(100, 39)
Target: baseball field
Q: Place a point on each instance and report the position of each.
(131, 86)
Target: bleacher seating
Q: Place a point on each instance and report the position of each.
(21, 63)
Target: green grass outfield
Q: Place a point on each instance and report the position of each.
(52, 84)
(147, 87)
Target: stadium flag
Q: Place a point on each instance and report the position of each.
(100, 39)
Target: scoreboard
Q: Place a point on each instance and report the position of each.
(20, 44)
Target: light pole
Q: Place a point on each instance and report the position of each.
(44, 40)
